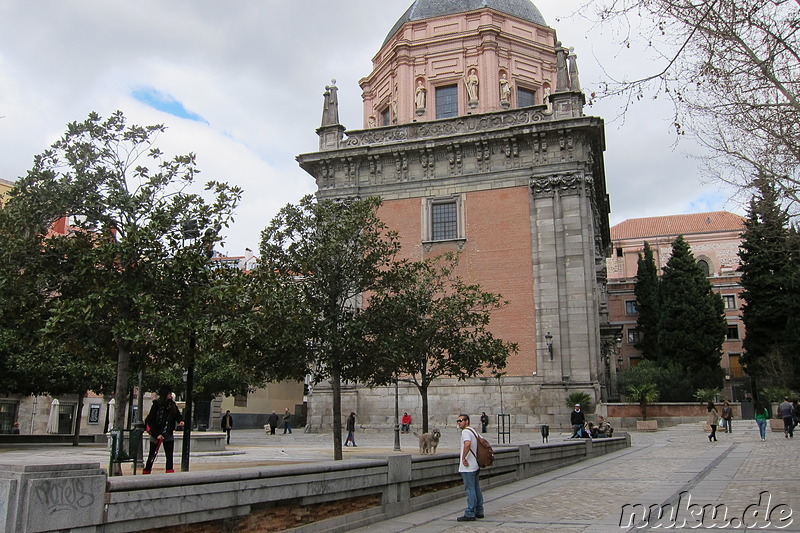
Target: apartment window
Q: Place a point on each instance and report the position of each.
(733, 332)
(240, 400)
(443, 218)
(619, 252)
(633, 336)
(447, 101)
(386, 117)
(525, 97)
(730, 301)
(631, 308)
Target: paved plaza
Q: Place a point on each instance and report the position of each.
(752, 480)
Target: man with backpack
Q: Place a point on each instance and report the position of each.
(470, 471)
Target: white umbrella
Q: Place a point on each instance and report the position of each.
(52, 421)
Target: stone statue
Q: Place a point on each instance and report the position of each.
(562, 76)
(546, 99)
(330, 106)
(505, 89)
(574, 80)
(393, 111)
(419, 96)
(472, 85)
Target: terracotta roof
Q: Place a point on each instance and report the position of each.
(674, 225)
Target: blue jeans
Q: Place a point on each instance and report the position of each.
(472, 486)
(762, 428)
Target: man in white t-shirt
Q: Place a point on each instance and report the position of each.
(470, 471)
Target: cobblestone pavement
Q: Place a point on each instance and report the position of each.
(751, 483)
(674, 466)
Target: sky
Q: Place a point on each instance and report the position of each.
(240, 84)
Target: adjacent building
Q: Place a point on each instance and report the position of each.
(714, 238)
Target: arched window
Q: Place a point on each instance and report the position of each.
(704, 265)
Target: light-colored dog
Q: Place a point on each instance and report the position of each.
(428, 442)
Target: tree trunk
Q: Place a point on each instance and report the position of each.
(77, 434)
(336, 387)
(123, 382)
(423, 392)
(120, 391)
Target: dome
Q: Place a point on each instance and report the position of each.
(426, 9)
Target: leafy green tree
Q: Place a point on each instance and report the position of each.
(127, 205)
(770, 267)
(428, 323)
(322, 257)
(647, 302)
(692, 324)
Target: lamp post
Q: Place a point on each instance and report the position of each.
(396, 415)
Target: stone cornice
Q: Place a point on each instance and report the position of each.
(460, 125)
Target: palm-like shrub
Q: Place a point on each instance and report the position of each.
(643, 395)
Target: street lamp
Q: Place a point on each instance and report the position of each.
(396, 415)
(549, 340)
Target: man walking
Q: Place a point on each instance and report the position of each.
(470, 471)
(227, 424)
(786, 411)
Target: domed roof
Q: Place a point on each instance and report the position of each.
(426, 9)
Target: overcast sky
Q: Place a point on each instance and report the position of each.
(240, 83)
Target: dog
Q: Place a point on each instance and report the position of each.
(428, 442)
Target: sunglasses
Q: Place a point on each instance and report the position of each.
(461, 420)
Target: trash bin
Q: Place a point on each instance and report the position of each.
(545, 429)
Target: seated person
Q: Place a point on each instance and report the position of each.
(604, 429)
(592, 430)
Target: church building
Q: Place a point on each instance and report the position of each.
(475, 137)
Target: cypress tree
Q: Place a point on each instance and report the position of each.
(646, 291)
(770, 274)
(692, 323)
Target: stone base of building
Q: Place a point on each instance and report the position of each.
(528, 401)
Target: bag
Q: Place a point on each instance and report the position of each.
(485, 455)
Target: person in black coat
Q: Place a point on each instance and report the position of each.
(227, 424)
(351, 430)
(162, 421)
(578, 420)
(273, 422)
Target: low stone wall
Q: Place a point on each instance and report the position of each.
(331, 496)
(625, 415)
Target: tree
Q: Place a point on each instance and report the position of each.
(692, 325)
(667, 376)
(428, 323)
(322, 257)
(127, 206)
(732, 70)
(769, 265)
(646, 291)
